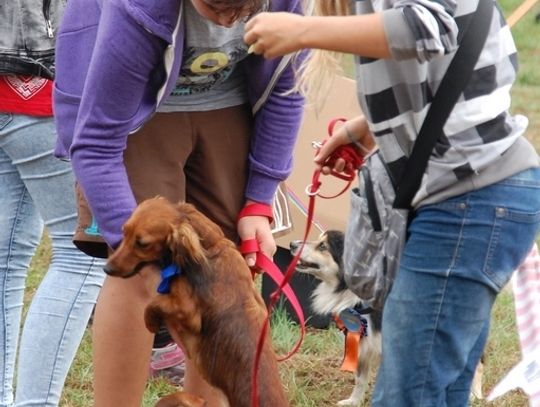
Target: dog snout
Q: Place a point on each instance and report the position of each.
(110, 270)
(294, 245)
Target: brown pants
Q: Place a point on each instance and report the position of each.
(197, 157)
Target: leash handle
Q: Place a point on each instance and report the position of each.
(257, 209)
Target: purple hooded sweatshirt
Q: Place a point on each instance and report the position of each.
(116, 60)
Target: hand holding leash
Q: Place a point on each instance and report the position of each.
(254, 224)
(339, 155)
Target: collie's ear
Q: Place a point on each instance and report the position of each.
(185, 244)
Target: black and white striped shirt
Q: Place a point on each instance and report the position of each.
(481, 142)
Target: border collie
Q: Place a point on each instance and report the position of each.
(322, 259)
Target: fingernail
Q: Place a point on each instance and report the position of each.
(251, 48)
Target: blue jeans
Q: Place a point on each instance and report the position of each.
(37, 190)
(458, 256)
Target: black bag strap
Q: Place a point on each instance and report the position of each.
(457, 75)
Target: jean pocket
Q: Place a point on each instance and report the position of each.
(5, 119)
(513, 235)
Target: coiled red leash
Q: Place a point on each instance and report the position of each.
(353, 161)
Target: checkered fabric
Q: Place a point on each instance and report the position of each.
(395, 95)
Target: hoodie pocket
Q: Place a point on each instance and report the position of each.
(66, 108)
(74, 49)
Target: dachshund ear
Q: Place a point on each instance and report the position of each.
(185, 244)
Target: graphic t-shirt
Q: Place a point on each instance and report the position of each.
(30, 95)
(210, 77)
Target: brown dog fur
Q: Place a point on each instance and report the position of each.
(213, 309)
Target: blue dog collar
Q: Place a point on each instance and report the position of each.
(167, 274)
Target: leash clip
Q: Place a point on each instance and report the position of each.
(309, 192)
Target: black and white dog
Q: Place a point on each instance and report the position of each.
(322, 259)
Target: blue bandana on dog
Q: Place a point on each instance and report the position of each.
(167, 274)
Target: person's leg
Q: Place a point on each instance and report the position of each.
(216, 171)
(216, 174)
(60, 309)
(459, 255)
(154, 159)
(20, 231)
(430, 323)
(458, 393)
(121, 343)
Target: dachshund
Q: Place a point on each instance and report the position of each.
(213, 310)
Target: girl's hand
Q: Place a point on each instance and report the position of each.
(257, 227)
(338, 139)
(274, 34)
(354, 131)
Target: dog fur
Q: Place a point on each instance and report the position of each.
(322, 259)
(213, 309)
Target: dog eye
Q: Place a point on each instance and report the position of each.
(322, 246)
(141, 244)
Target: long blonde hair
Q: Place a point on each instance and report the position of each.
(317, 70)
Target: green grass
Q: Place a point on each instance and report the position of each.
(312, 377)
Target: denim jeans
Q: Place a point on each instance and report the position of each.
(458, 256)
(37, 190)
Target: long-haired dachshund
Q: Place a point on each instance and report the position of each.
(213, 309)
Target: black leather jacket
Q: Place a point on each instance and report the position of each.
(27, 36)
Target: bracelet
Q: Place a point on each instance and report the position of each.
(354, 141)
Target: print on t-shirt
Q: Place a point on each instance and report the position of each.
(204, 68)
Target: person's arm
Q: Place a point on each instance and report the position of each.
(405, 30)
(275, 132)
(274, 34)
(124, 57)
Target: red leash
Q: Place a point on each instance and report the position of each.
(353, 161)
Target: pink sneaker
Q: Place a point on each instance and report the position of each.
(168, 362)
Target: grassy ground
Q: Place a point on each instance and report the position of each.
(312, 376)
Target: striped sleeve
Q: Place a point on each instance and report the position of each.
(421, 29)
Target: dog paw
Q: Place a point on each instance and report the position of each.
(181, 399)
